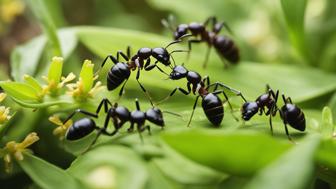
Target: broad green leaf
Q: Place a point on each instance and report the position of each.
(293, 170)
(40, 10)
(54, 8)
(110, 167)
(191, 174)
(294, 12)
(25, 58)
(236, 153)
(312, 83)
(20, 91)
(46, 175)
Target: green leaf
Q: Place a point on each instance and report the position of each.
(312, 82)
(46, 175)
(20, 91)
(40, 10)
(110, 167)
(294, 170)
(236, 153)
(327, 126)
(191, 174)
(25, 58)
(32, 82)
(294, 12)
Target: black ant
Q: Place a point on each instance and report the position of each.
(121, 71)
(289, 112)
(119, 115)
(225, 47)
(212, 105)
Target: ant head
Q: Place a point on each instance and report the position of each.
(178, 72)
(155, 116)
(180, 31)
(249, 109)
(80, 129)
(161, 55)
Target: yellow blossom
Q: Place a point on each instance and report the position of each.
(2, 96)
(15, 150)
(10, 9)
(61, 130)
(82, 89)
(4, 114)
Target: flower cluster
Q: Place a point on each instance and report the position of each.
(31, 91)
(84, 88)
(15, 150)
(61, 130)
(4, 111)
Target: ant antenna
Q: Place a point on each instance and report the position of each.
(178, 40)
(173, 61)
(172, 113)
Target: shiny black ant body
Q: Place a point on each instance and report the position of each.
(225, 47)
(119, 115)
(289, 112)
(212, 105)
(121, 71)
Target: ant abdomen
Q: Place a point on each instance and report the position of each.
(118, 73)
(294, 116)
(80, 129)
(213, 109)
(227, 48)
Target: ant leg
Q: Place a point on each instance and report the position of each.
(190, 43)
(142, 129)
(123, 55)
(150, 67)
(238, 93)
(173, 92)
(228, 101)
(192, 113)
(102, 131)
(112, 58)
(289, 100)
(128, 51)
(131, 128)
(137, 104)
(212, 19)
(206, 80)
(80, 111)
(122, 88)
(206, 57)
(143, 88)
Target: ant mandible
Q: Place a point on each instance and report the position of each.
(289, 112)
(119, 116)
(212, 105)
(121, 71)
(225, 47)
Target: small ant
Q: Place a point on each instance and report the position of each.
(119, 115)
(212, 105)
(225, 47)
(121, 71)
(289, 112)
